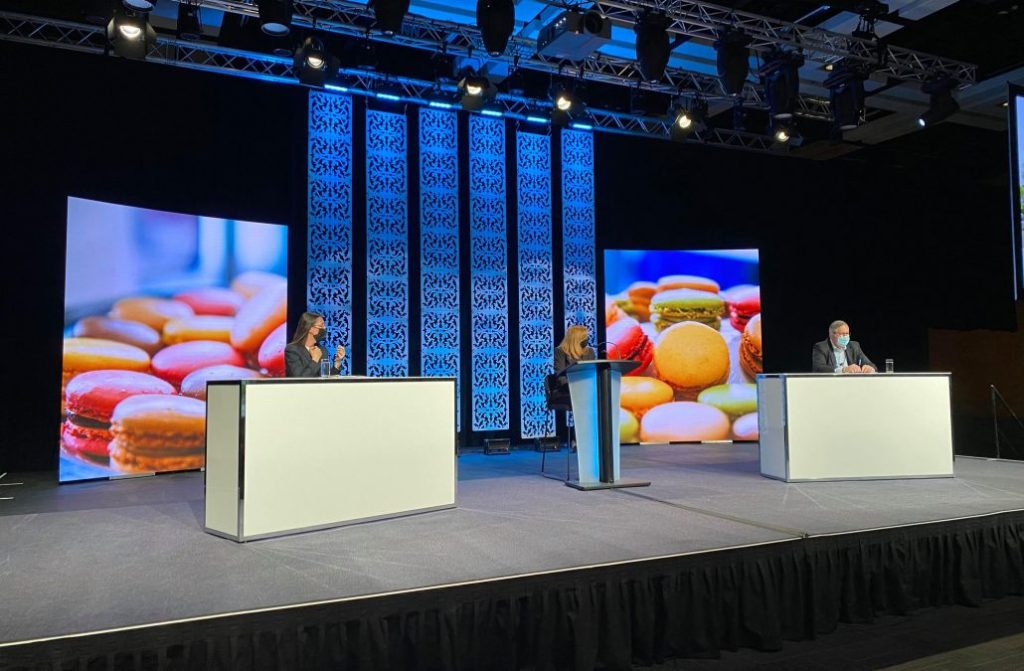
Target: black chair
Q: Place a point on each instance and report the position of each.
(557, 399)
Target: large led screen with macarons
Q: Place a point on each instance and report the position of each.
(1017, 147)
(155, 305)
(692, 321)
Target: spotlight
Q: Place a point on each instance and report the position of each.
(786, 135)
(733, 60)
(496, 20)
(475, 90)
(190, 25)
(846, 96)
(686, 119)
(389, 14)
(139, 5)
(130, 35)
(566, 105)
(782, 135)
(313, 63)
(275, 16)
(942, 104)
(781, 77)
(652, 48)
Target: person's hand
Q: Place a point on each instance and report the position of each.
(868, 369)
(316, 353)
(852, 368)
(339, 353)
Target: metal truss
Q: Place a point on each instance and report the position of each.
(457, 39)
(210, 58)
(705, 21)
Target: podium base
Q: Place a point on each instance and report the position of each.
(597, 484)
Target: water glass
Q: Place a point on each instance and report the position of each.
(888, 365)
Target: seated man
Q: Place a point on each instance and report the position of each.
(839, 354)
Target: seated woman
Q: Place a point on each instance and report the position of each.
(573, 348)
(303, 354)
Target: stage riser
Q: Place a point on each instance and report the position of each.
(610, 617)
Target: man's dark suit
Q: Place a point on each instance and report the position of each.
(823, 359)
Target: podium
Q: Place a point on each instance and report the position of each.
(855, 427)
(594, 390)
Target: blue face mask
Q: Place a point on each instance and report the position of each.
(843, 340)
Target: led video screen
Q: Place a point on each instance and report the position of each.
(692, 319)
(155, 305)
(1017, 146)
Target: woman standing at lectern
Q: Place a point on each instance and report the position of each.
(303, 354)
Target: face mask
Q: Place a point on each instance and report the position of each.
(321, 336)
(843, 340)
(585, 343)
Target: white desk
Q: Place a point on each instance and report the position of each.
(291, 455)
(851, 427)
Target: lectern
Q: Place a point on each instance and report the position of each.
(594, 389)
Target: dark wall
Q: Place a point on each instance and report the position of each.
(120, 131)
(893, 240)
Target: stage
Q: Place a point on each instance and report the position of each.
(524, 572)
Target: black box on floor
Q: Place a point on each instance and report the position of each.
(549, 444)
(497, 446)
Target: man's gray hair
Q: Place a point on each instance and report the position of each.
(835, 325)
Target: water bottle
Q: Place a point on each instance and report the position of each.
(325, 366)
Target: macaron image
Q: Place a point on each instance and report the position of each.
(212, 301)
(629, 427)
(258, 316)
(82, 355)
(732, 399)
(612, 312)
(154, 312)
(745, 427)
(131, 333)
(194, 384)
(90, 399)
(742, 303)
(174, 363)
(626, 340)
(251, 282)
(697, 282)
(680, 305)
(750, 348)
(639, 394)
(198, 327)
(271, 354)
(691, 357)
(158, 433)
(640, 294)
(684, 421)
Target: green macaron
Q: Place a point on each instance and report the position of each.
(686, 305)
(734, 400)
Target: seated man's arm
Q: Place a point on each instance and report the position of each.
(864, 361)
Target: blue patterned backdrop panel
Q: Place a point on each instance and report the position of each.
(439, 245)
(387, 246)
(578, 255)
(536, 292)
(489, 274)
(329, 214)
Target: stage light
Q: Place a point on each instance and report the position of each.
(846, 96)
(138, 5)
(275, 16)
(130, 35)
(786, 135)
(491, 112)
(537, 119)
(190, 25)
(781, 77)
(566, 104)
(942, 104)
(314, 65)
(652, 46)
(733, 60)
(687, 118)
(782, 135)
(580, 125)
(496, 20)
(475, 90)
(389, 15)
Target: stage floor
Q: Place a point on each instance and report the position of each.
(105, 555)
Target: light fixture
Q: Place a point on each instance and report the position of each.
(389, 14)
(652, 46)
(942, 105)
(190, 25)
(565, 104)
(314, 65)
(782, 135)
(275, 16)
(846, 96)
(733, 60)
(781, 77)
(139, 5)
(130, 35)
(687, 118)
(496, 20)
(475, 90)
(785, 134)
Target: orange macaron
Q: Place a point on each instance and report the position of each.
(194, 384)
(258, 316)
(691, 357)
(154, 433)
(154, 312)
(85, 354)
(198, 327)
(750, 348)
(697, 282)
(131, 333)
(251, 282)
(640, 294)
(684, 421)
(638, 394)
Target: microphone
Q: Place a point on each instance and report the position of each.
(604, 344)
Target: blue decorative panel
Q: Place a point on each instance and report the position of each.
(387, 246)
(536, 294)
(578, 230)
(329, 214)
(489, 274)
(439, 245)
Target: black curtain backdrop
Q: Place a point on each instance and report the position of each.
(894, 239)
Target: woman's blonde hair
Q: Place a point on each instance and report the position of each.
(573, 342)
